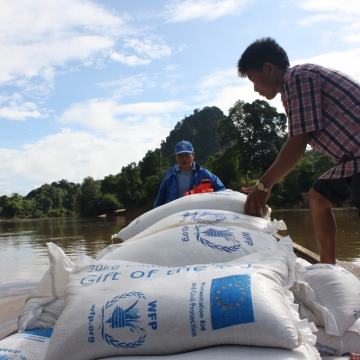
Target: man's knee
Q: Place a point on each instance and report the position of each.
(317, 200)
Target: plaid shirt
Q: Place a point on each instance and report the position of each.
(325, 103)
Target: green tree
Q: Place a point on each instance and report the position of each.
(198, 128)
(12, 206)
(90, 194)
(257, 131)
(321, 165)
(298, 182)
(4, 201)
(43, 203)
(151, 187)
(131, 191)
(226, 166)
(153, 163)
(71, 198)
(108, 203)
(110, 184)
(14, 209)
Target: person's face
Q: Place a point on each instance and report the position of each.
(185, 160)
(265, 82)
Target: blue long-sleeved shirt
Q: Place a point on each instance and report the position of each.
(169, 186)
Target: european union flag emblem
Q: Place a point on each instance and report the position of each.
(230, 301)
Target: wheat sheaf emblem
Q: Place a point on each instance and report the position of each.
(216, 233)
(123, 318)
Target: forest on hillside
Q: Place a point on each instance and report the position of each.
(237, 148)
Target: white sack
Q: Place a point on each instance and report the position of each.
(210, 217)
(349, 342)
(45, 303)
(222, 200)
(26, 345)
(233, 352)
(303, 262)
(117, 308)
(110, 248)
(330, 293)
(195, 244)
(328, 345)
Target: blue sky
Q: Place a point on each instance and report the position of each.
(87, 87)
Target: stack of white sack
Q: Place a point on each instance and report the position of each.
(119, 308)
(329, 296)
(223, 200)
(33, 344)
(45, 303)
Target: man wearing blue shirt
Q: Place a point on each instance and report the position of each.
(184, 176)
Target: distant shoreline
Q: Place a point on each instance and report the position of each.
(136, 212)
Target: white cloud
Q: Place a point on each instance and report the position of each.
(48, 33)
(171, 67)
(228, 95)
(107, 116)
(50, 38)
(76, 155)
(224, 88)
(145, 108)
(131, 85)
(148, 47)
(131, 60)
(345, 6)
(346, 11)
(310, 20)
(15, 108)
(352, 38)
(209, 9)
(219, 78)
(346, 61)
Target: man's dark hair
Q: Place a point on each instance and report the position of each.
(261, 51)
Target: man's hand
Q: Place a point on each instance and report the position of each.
(255, 204)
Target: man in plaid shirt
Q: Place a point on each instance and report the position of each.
(323, 109)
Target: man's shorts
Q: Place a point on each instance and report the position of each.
(339, 190)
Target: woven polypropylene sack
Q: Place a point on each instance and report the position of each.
(117, 307)
(26, 345)
(194, 244)
(331, 294)
(232, 352)
(45, 303)
(207, 217)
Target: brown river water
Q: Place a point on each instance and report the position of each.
(24, 259)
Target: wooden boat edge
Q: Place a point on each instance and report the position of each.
(303, 253)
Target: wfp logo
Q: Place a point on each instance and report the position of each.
(208, 217)
(208, 235)
(120, 318)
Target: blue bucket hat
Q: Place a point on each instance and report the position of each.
(184, 147)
